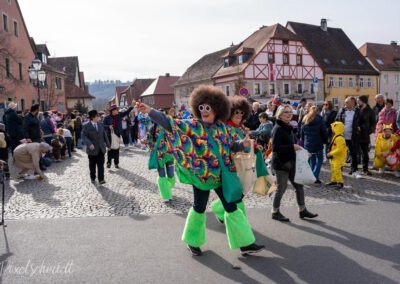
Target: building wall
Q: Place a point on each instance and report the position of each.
(338, 94)
(20, 51)
(182, 92)
(53, 97)
(389, 86)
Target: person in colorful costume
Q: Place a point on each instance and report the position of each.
(198, 165)
(161, 159)
(239, 112)
(383, 145)
(337, 152)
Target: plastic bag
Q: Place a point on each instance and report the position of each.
(115, 141)
(304, 174)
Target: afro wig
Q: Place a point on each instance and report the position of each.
(240, 103)
(214, 97)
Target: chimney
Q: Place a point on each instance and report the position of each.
(393, 43)
(166, 74)
(324, 25)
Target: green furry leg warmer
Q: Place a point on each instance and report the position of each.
(218, 209)
(164, 187)
(238, 230)
(171, 181)
(194, 233)
(242, 207)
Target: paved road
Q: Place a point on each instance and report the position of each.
(132, 189)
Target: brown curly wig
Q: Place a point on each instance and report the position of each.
(240, 103)
(214, 97)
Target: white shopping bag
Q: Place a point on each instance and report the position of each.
(115, 141)
(245, 164)
(304, 174)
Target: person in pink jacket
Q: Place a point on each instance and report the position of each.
(387, 115)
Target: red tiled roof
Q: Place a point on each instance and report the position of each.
(161, 86)
(72, 92)
(386, 54)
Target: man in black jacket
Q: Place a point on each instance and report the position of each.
(350, 116)
(253, 121)
(367, 127)
(32, 125)
(13, 125)
(380, 104)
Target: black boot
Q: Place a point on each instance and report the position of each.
(279, 217)
(306, 214)
(253, 248)
(331, 183)
(194, 251)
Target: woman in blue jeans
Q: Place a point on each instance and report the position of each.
(314, 135)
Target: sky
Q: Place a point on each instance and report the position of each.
(127, 39)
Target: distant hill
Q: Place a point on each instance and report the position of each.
(103, 91)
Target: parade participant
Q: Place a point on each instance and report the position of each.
(32, 125)
(27, 157)
(161, 159)
(198, 146)
(337, 153)
(388, 115)
(384, 143)
(144, 125)
(284, 163)
(96, 141)
(113, 122)
(14, 128)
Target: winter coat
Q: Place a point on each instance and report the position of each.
(283, 153)
(13, 123)
(377, 109)
(27, 156)
(314, 135)
(337, 149)
(46, 125)
(329, 117)
(356, 121)
(386, 117)
(32, 127)
(109, 121)
(253, 122)
(264, 131)
(367, 124)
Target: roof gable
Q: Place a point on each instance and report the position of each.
(69, 65)
(332, 49)
(161, 86)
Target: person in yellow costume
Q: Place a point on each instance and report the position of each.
(337, 153)
(384, 143)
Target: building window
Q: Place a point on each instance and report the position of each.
(271, 58)
(243, 58)
(227, 90)
(286, 89)
(257, 89)
(361, 82)
(8, 68)
(16, 32)
(340, 82)
(312, 88)
(22, 105)
(299, 59)
(58, 83)
(5, 22)
(351, 82)
(272, 89)
(20, 69)
(331, 83)
(285, 58)
(386, 78)
(299, 88)
(335, 102)
(369, 83)
(379, 61)
(396, 79)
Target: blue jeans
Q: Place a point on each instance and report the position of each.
(315, 161)
(170, 170)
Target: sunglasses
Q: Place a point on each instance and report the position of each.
(238, 112)
(205, 108)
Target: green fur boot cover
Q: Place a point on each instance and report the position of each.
(218, 209)
(242, 207)
(238, 230)
(171, 181)
(194, 233)
(165, 189)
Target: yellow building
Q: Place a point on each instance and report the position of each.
(346, 71)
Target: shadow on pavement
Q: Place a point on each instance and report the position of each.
(39, 194)
(5, 255)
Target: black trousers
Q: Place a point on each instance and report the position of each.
(353, 148)
(364, 147)
(201, 199)
(113, 154)
(99, 162)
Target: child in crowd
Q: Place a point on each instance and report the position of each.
(384, 143)
(337, 153)
(58, 144)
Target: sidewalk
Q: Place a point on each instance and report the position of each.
(350, 243)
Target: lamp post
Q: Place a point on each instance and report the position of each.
(35, 73)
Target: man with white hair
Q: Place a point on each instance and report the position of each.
(14, 128)
(380, 104)
(253, 122)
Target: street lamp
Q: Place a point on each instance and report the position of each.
(35, 73)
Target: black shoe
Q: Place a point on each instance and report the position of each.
(108, 166)
(317, 182)
(251, 249)
(194, 251)
(367, 173)
(116, 166)
(279, 217)
(102, 182)
(331, 183)
(339, 186)
(351, 172)
(93, 181)
(306, 214)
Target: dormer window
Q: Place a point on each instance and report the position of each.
(228, 61)
(397, 61)
(360, 62)
(243, 58)
(343, 61)
(326, 60)
(379, 61)
(44, 58)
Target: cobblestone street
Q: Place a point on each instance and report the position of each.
(132, 190)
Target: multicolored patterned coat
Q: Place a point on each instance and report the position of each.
(164, 149)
